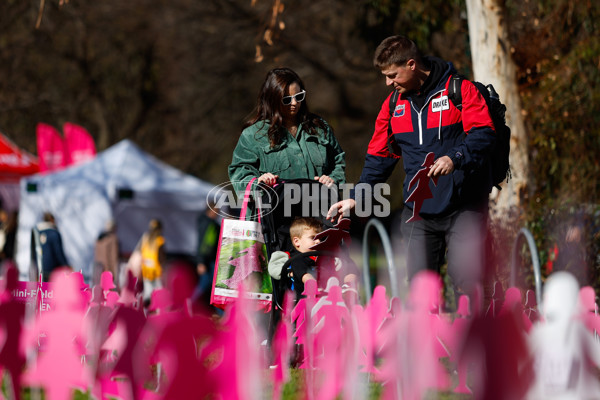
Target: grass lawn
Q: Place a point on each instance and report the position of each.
(292, 390)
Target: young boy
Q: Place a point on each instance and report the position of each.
(302, 233)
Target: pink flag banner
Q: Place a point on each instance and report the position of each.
(79, 144)
(51, 149)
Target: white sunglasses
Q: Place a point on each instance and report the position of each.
(287, 100)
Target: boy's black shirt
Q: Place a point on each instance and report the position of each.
(301, 266)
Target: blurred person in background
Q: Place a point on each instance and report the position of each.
(208, 242)
(47, 251)
(152, 250)
(8, 234)
(106, 252)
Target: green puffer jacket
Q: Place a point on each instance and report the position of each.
(303, 157)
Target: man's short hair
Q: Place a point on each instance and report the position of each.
(396, 50)
(300, 224)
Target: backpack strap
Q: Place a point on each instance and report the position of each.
(393, 147)
(455, 92)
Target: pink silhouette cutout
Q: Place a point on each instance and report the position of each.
(112, 299)
(131, 292)
(98, 316)
(167, 306)
(330, 240)
(388, 325)
(128, 324)
(238, 371)
(422, 191)
(458, 331)
(65, 337)
(389, 349)
(107, 282)
(180, 347)
(301, 314)
(566, 356)
(86, 293)
(322, 300)
(179, 281)
(421, 369)
(512, 303)
(332, 334)
(12, 315)
(282, 347)
(530, 307)
(589, 309)
(497, 348)
(161, 301)
(497, 299)
(251, 261)
(374, 315)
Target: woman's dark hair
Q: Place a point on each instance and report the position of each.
(269, 104)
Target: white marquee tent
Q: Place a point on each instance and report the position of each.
(122, 183)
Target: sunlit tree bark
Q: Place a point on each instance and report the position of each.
(492, 63)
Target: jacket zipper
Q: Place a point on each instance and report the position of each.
(419, 114)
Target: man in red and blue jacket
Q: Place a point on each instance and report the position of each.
(424, 120)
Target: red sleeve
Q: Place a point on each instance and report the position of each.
(475, 112)
(378, 146)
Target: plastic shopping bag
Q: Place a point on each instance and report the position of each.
(241, 260)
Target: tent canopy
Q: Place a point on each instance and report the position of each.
(122, 183)
(15, 163)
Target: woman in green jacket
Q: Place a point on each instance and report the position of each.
(283, 140)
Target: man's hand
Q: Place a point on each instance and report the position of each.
(441, 166)
(342, 208)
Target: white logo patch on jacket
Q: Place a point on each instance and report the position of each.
(440, 104)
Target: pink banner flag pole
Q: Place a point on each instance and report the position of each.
(51, 149)
(79, 144)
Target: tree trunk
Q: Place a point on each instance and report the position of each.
(492, 63)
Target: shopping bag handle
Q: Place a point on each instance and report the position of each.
(246, 200)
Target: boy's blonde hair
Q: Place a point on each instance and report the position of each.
(300, 224)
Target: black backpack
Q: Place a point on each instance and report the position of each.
(499, 158)
(500, 153)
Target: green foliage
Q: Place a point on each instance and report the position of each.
(557, 51)
(550, 227)
(420, 21)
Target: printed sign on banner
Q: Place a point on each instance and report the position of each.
(241, 259)
(37, 296)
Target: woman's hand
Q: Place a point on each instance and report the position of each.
(268, 179)
(325, 180)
